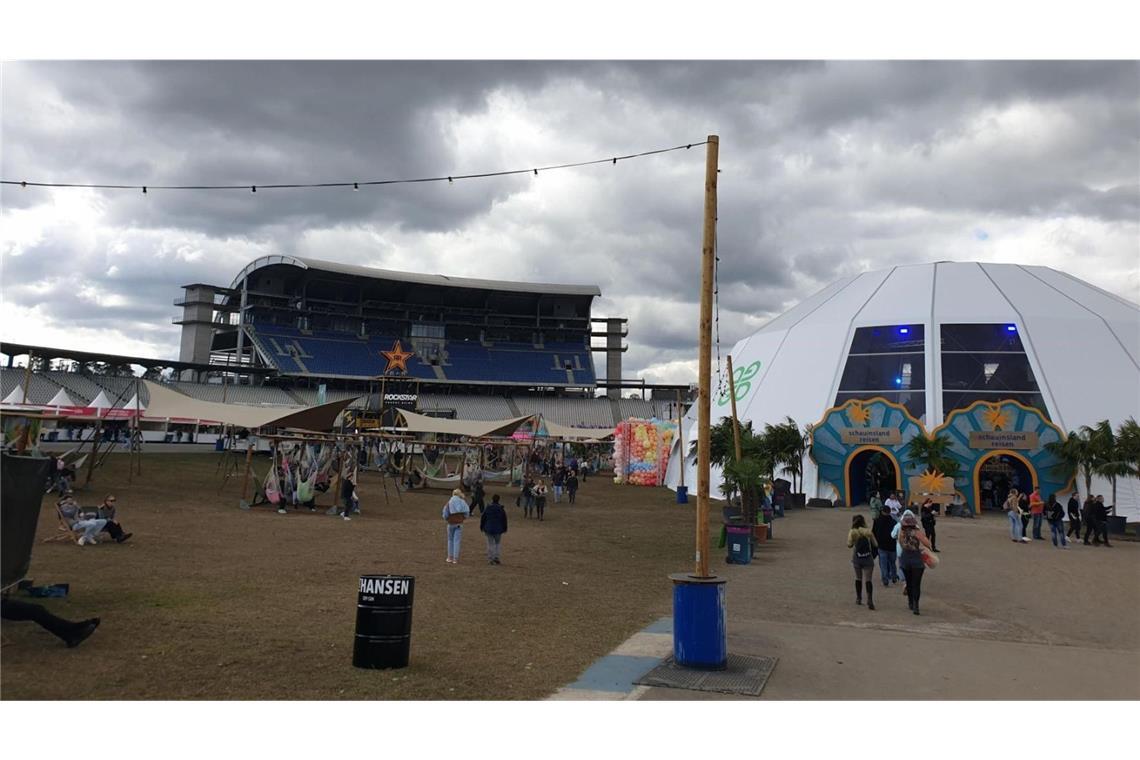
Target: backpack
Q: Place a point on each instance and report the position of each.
(908, 539)
(863, 548)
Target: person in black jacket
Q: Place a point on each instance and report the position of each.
(1074, 516)
(1100, 519)
(477, 496)
(1056, 516)
(493, 523)
(572, 485)
(1089, 510)
(882, 527)
(927, 512)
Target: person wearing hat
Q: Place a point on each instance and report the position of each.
(910, 541)
(455, 511)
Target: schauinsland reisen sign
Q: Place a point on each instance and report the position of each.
(1003, 439)
(870, 436)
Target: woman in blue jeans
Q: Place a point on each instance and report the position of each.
(455, 511)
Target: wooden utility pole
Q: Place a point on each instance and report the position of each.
(28, 377)
(735, 421)
(708, 264)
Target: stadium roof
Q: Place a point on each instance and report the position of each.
(413, 277)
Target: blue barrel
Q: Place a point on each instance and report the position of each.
(682, 494)
(700, 634)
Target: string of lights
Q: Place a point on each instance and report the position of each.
(355, 185)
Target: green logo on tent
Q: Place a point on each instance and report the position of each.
(742, 379)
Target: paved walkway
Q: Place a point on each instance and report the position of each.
(1000, 621)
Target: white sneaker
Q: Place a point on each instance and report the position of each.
(282, 511)
(82, 541)
(346, 517)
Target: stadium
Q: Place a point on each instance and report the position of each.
(290, 331)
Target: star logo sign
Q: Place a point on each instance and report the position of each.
(397, 358)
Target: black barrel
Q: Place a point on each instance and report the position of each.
(383, 621)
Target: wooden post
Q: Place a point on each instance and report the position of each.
(704, 371)
(248, 457)
(94, 448)
(28, 377)
(735, 421)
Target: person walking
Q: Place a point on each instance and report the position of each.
(477, 495)
(557, 480)
(894, 504)
(1074, 516)
(862, 542)
(1089, 510)
(527, 497)
(572, 486)
(927, 512)
(1036, 512)
(876, 505)
(540, 492)
(1055, 514)
(1013, 512)
(910, 543)
(882, 527)
(1023, 509)
(493, 524)
(455, 511)
(1100, 517)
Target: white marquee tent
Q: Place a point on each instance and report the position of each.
(1081, 345)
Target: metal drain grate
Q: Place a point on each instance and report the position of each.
(744, 675)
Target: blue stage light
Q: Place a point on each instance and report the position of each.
(904, 330)
(1010, 328)
(898, 381)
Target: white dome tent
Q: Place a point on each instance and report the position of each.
(933, 339)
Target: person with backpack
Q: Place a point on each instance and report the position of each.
(1055, 514)
(455, 511)
(910, 543)
(527, 497)
(477, 495)
(882, 527)
(862, 542)
(493, 523)
(1023, 509)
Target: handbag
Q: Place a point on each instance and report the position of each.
(929, 559)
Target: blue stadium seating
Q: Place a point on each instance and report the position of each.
(325, 353)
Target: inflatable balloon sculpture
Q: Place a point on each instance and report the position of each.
(641, 451)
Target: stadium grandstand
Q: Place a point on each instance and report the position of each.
(289, 331)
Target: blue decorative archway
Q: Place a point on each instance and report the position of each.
(867, 424)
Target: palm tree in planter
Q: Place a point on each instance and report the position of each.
(1075, 455)
(1128, 441)
(745, 477)
(934, 455)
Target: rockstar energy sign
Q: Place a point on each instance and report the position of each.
(870, 436)
(1003, 439)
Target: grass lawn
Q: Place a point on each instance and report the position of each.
(207, 601)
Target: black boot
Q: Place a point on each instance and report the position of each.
(870, 595)
(858, 592)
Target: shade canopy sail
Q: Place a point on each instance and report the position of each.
(61, 399)
(101, 402)
(168, 404)
(421, 423)
(554, 430)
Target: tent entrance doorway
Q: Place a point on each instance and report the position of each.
(997, 474)
(871, 470)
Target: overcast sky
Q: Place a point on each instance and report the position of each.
(827, 169)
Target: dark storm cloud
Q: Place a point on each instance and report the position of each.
(828, 169)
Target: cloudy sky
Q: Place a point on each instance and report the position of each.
(827, 169)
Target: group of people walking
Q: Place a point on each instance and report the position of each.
(1025, 509)
(493, 517)
(900, 547)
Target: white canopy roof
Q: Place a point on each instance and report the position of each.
(101, 401)
(61, 399)
(134, 400)
(554, 430)
(16, 396)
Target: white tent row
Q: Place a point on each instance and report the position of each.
(16, 396)
(61, 399)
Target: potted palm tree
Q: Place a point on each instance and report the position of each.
(1110, 461)
(1075, 454)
